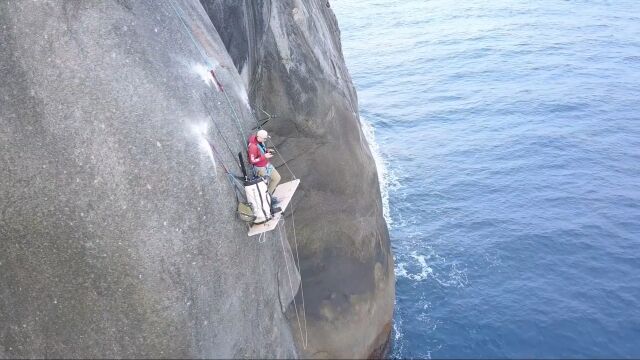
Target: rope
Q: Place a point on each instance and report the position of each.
(217, 128)
(284, 254)
(262, 238)
(213, 148)
(261, 122)
(244, 141)
(237, 188)
(283, 160)
(304, 307)
(206, 60)
(175, 9)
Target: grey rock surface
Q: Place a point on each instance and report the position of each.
(118, 236)
(289, 56)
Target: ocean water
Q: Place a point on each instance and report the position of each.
(508, 142)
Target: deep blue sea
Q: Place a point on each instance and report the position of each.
(508, 141)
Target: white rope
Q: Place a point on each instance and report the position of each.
(283, 161)
(304, 307)
(262, 237)
(284, 254)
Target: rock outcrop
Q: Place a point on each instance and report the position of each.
(118, 236)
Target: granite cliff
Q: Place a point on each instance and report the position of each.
(118, 236)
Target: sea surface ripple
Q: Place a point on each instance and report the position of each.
(508, 138)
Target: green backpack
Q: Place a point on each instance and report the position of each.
(245, 212)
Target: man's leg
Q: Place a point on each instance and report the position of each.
(274, 181)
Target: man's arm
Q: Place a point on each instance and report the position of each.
(254, 154)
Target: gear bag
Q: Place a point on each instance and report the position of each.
(257, 195)
(245, 209)
(245, 212)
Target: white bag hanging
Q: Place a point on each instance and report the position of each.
(260, 199)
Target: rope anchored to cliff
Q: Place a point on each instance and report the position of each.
(283, 234)
(251, 200)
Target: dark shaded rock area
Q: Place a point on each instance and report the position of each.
(118, 236)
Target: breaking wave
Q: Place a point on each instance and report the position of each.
(420, 267)
(386, 177)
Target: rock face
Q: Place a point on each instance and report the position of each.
(289, 55)
(118, 236)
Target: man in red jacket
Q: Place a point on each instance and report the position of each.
(259, 156)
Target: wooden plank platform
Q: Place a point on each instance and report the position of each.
(284, 193)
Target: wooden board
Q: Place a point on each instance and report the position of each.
(284, 193)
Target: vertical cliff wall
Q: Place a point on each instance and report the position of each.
(289, 56)
(118, 236)
(117, 230)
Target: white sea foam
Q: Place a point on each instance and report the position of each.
(386, 177)
(398, 335)
(419, 267)
(424, 269)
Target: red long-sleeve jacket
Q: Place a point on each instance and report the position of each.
(255, 156)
